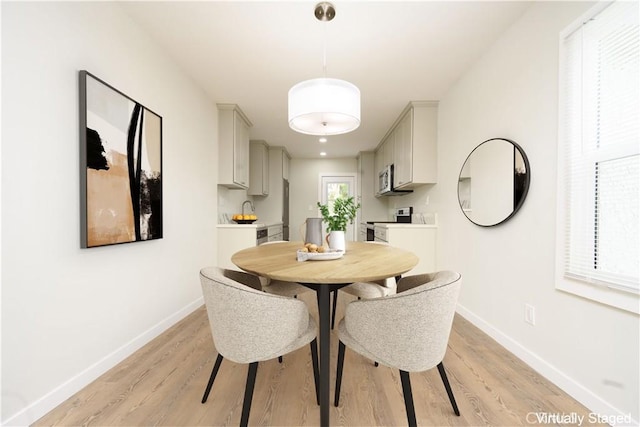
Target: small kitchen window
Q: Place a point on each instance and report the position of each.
(599, 157)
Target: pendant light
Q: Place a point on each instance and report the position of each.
(324, 106)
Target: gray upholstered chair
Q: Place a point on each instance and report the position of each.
(250, 326)
(367, 290)
(408, 331)
(280, 287)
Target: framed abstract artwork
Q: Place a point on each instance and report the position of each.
(120, 167)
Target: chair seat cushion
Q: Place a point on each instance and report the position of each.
(368, 290)
(285, 289)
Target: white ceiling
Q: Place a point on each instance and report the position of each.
(251, 53)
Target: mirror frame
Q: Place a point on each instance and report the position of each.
(525, 190)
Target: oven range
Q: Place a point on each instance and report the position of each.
(402, 215)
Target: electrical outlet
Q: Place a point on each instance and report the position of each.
(530, 314)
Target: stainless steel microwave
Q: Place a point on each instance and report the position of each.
(385, 180)
(385, 183)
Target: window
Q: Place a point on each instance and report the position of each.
(599, 157)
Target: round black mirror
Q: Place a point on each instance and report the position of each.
(493, 182)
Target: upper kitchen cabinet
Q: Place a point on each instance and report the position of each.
(411, 146)
(378, 163)
(233, 147)
(271, 208)
(285, 165)
(416, 140)
(384, 154)
(403, 151)
(258, 169)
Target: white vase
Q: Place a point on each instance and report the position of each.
(336, 241)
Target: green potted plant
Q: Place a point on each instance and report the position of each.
(343, 213)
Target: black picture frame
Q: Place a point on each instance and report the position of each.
(120, 167)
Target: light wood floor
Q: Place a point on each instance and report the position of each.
(162, 384)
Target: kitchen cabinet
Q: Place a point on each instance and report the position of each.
(411, 146)
(417, 238)
(275, 233)
(271, 208)
(403, 151)
(258, 169)
(417, 134)
(383, 156)
(388, 147)
(233, 238)
(233, 147)
(378, 162)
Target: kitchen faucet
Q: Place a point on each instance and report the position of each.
(250, 204)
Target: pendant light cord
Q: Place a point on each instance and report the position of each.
(324, 52)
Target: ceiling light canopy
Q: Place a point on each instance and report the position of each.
(324, 106)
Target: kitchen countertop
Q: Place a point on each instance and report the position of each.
(254, 225)
(403, 225)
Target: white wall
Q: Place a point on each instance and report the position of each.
(303, 187)
(591, 350)
(69, 313)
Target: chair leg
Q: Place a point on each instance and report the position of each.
(248, 394)
(314, 361)
(445, 381)
(216, 366)
(279, 359)
(408, 398)
(335, 303)
(336, 399)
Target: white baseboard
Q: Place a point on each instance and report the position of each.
(34, 411)
(574, 389)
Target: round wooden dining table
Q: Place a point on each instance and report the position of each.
(361, 262)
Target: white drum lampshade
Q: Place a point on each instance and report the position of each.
(324, 107)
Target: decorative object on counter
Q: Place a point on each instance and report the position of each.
(313, 232)
(494, 182)
(120, 167)
(244, 219)
(324, 106)
(337, 216)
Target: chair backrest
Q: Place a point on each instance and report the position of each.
(409, 330)
(249, 325)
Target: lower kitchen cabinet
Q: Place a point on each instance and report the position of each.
(275, 233)
(417, 238)
(231, 239)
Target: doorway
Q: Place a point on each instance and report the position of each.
(336, 186)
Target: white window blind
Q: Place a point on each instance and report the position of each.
(600, 137)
